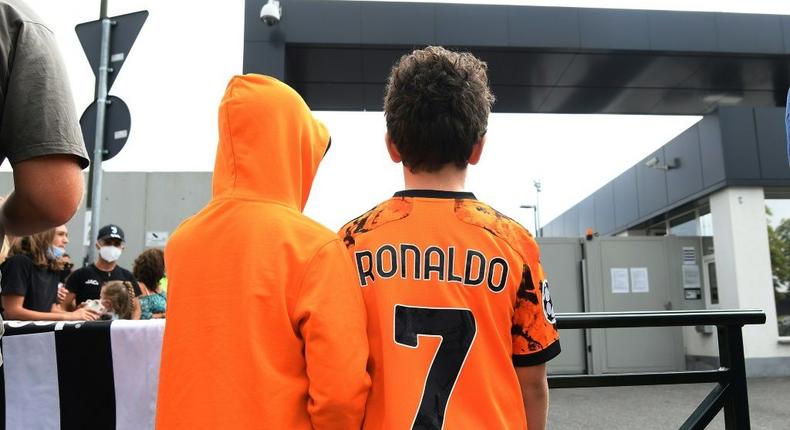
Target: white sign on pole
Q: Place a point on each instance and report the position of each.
(86, 236)
(156, 239)
(619, 280)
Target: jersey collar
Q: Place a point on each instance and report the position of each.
(436, 194)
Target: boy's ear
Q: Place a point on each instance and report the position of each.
(477, 151)
(393, 151)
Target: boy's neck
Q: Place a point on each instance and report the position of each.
(448, 178)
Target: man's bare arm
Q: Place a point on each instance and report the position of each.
(47, 193)
(535, 393)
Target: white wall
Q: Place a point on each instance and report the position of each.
(743, 265)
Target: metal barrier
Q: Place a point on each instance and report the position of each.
(730, 392)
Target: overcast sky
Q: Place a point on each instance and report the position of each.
(177, 70)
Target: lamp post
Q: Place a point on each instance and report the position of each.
(537, 185)
(534, 215)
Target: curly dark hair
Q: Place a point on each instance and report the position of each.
(149, 268)
(436, 105)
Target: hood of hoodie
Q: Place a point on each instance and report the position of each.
(270, 145)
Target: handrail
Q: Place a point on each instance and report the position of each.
(730, 392)
(737, 317)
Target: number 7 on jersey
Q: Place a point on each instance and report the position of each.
(457, 330)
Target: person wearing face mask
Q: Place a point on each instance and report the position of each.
(85, 283)
(30, 279)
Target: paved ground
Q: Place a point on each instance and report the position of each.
(662, 406)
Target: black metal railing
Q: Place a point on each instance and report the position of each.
(730, 391)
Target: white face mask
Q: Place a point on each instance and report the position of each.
(109, 253)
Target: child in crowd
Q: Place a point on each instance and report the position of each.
(434, 261)
(149, 269)
(117, 298)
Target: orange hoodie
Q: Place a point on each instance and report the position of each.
(265, 321)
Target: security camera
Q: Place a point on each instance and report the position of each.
(653, 162)
(271, 12)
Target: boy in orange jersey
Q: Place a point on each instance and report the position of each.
(460, 320)
(265, 322)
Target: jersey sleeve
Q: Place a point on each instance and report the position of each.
(330, 316)
(74, 280)
(16, 275)
(535, 337)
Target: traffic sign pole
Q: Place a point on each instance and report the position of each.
(106, 122)
(98, 150)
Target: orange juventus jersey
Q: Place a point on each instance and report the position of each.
(456, 297)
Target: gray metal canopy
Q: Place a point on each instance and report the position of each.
(337, 54)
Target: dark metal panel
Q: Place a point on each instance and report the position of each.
(604, 209)
(320, 21)
(686, 178)
(266, 58)
(596, 70)
(786, 33)
(772, 143)
(616, 77)
(684, 102)
(586, 214)
(545, 27)
(331, 96)
(626, 205)
(471, 25)
(600, 100)
(682, 31)
(374, 97)
(524, 67)
(736, 73)
(518, 99)
(377, 63)
(711, 152)
(630, 70)
(335, 65)
(398, 23)
(749, 33)
(762, 98)
(613, 29)
(570, 222)
(739, 143)
(651, 185)
(667, 71)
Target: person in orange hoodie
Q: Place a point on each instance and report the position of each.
(265, 324)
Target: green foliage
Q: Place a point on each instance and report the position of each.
(779, 246)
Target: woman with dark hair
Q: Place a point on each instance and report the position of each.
(149, 268)
(31, 274)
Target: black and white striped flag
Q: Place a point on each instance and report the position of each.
(94, 375)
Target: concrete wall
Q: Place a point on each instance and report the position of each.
(137, 202)
(743, 269)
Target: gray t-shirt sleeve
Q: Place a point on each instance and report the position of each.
(38, 116)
